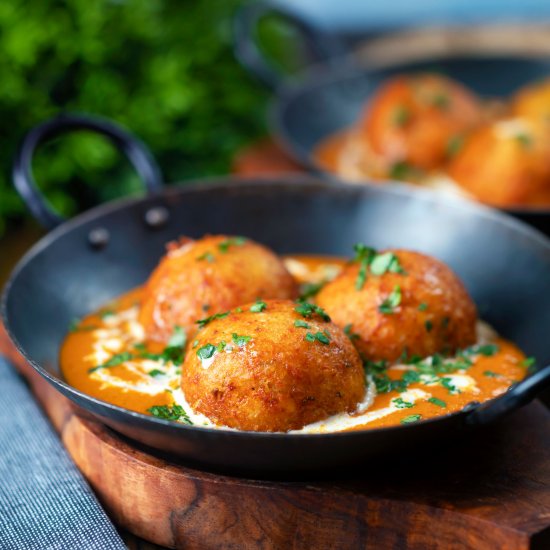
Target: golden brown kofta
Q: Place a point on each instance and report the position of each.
(533, 101)
(414, 119)
(506, 163)
(198, 278)
(272, 366)
(406, 303)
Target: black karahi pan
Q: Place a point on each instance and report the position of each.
(91, 259)
(329, 96)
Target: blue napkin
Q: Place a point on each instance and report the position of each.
(45, 503)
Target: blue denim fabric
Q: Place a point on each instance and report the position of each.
(45, 503)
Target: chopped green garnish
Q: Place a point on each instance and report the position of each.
(491, 374)
(238, 310)
(221, 346)
(156, 372)
(528, 362)
(447, 383)
(241, 341)
(74, 326)
(140, 346)
(205, 307)
(301, 324)
(349, 334)
(391, 302)
(233, 241)
(485, 349)
(195, 343)
(438, 402)
(441, 101)
(206, 352)
(386, 262)
(375, 367)
(429, 325)
(178, 338)
(454, 145)
(258, 307)
(207, 256)
(423, 306)
(401, 171)
(307, 310)
(114, 361)
(410, 377)
(81, 328)
(107, 313)
(308, 290)
(400, 403)
(524, 140)
(322, 337)
(411, 418)
(203, 322)
(364, 255)
(401, 115)
(175, 412)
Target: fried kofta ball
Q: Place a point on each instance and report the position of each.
(272, 366)
(533, 101)
(414, 120)
(399, 303)
(196, 279)
(506, 163)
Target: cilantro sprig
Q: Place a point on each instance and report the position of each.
(174, 412)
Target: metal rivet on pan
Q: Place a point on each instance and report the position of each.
(157, 217)
(98, 238)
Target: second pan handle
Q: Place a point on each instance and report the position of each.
(138, 154)
(324, 46)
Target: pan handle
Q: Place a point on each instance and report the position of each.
(518, 395)
(23, 179)
(326, 47)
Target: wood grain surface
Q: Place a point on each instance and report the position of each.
(490, 490)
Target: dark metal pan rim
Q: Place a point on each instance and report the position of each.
(227, 184)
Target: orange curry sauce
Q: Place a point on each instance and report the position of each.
(135, 376)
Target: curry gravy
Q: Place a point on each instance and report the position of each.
(106, 356)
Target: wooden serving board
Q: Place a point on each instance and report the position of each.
(490, 490)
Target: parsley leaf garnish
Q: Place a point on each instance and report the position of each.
(391, 302)
(490, 374)
(175, 412)
(322, 337)
(423, 306)
(307, 310)
(178, 338)
(385, 262)
(155, 372)
(208, 256)
(400, 403)
(232, 241)
(258, 307)
(411, 418)
(114, 361)
(438, 402)
(351, 335)
(308, 290)
(485, 349)
(203, 322)
(206, 352)
(401, 115)
(301, 324)
(240, 341)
